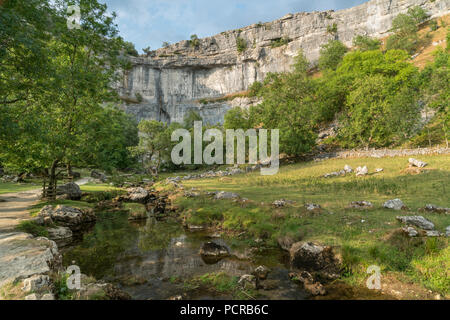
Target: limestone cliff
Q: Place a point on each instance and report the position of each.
(171, 81)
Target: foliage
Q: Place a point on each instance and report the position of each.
(378, 113)
(154, 143)
(241, 44)
(195, 41)
(331, 55)
(405, 28)
(147, 50)
(130, 49)
(279, 42)
(118, 132)
(366, 43)
(332, 29)
(45, 128)
(32, 228)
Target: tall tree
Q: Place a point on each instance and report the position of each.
(83, 66)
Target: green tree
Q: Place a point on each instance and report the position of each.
(189, 119)
(405, 28)
(45, 129)
(288, 105)
(378, 114)
(195, 41)
(237, 118)
(108, 134)
(365, 43)
(331, 54)
(25, 29)
(418, 14)
(155, 143)
(130, 49)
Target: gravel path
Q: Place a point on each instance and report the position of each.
(14, 206)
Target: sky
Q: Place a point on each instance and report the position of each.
(151, 22)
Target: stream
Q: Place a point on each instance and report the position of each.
(151, 259)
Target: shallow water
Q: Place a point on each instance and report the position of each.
(150, 259)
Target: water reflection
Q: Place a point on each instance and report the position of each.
(144, 258)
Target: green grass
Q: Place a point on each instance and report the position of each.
(221, 283)
(100, 187)
(363, 237)
(32, 228)
(10, 187)
(71, 203)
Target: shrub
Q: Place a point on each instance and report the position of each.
(331, 55)
(365, 43)
(241, 44)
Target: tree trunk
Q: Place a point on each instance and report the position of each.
(50, 190)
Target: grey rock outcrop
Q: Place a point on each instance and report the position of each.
(395, 204)
(71, 189)
(314, 257)
(22, 256)
(171, 81)
(35, 283)
(69, 217)
(417, 163)
(138, 195)
(417, 221)
(225, 195)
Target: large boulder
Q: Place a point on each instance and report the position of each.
(248, 281)
(417, 221)
(98, 175)
(71, 189)
(417, 163)
(395, 204)
(314, 257)
(61, 235)
(98, 290)
(69, 217)
(225, 195)
(36, 283)
(362, 171)
(139, 195)
(22, 256)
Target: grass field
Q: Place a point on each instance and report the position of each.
(10, 187)
(363, 237)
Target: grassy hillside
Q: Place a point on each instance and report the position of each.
(364, 237)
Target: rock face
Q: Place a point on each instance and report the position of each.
(171, 81)
(22, 256)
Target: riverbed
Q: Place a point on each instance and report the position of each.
(154, 259)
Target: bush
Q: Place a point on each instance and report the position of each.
(365, 43)
(194, 42)
(241, 44)
(331, 55)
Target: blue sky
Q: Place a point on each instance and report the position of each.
(150, 22)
